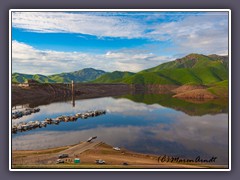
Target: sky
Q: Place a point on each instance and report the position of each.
(55, 42)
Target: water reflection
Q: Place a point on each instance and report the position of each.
(136, 125)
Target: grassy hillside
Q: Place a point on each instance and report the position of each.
(115, 76)
(21, 78)
(149, 78)
(194, 109)
(192, 69)
(220, 89)
(83, 75)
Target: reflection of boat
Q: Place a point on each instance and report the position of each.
(43, 124)
(48, 120)
(66, 118)
(84, 116)
(73, 118)
(14, 128)
(60, 118)
(17, 114)
(28, 111)
(91, 138)
(90, 114)
(78, 115)
(19, 127)
(55, 121)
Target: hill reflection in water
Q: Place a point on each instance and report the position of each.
(156, 124)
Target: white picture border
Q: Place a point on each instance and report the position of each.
(117, 10)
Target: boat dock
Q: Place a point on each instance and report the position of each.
(25, 126)
(26, 112)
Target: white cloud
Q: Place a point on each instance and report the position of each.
(111, 105)
(190, 28)
(84, 23)
(27, 59)
(205, 34)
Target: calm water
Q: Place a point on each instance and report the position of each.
(155, 124)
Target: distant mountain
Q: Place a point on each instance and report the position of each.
(21, 78)
(84, 75)
(192, 69)
(112, 77)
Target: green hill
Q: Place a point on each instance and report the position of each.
(191, 108)
(220, 88)
(21, 78)
(84, 75)
(112, 77)
(192, 69)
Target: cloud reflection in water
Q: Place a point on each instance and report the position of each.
(136, 126)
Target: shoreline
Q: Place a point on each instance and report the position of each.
(48, 90)
(89, 152)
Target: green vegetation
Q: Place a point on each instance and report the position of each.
(115, 76)
(220, 89)
(149, 78)
(83, 75)
(197, 108)
(193, 69)
(22, 78)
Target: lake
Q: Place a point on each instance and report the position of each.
(145, 123)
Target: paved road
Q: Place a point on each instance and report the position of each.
(80, 148)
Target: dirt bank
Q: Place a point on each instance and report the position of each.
(185, 88)
(161, 89)
(196, 94)
(53, 92)
(38, 92)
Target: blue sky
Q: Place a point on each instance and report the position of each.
(54, 42)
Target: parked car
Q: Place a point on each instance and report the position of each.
(91, 138)
(100, 161)
(63, 156)
(116, 148)
(60, 161)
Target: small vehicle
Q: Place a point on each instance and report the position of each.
(100, 161)
(125, 163)
(63, 156)
(116, 148)
(60, 161)
(91, 138)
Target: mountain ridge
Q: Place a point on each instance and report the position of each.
(83, 75)
(193, 69)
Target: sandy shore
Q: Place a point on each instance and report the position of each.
(89, 152)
